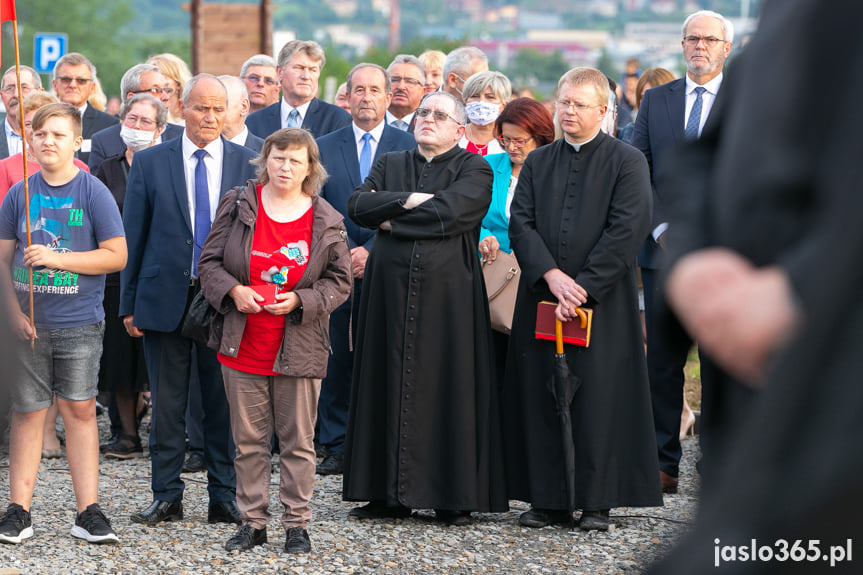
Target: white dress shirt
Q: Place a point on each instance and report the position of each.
(376, 133)
(707, 98)
(286, 110)
(240, 139)
(213, 162)
(13, 140)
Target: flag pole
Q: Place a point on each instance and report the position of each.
(26, 183)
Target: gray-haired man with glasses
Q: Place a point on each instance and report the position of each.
(74, 81)
(139, 79)
(10, 140)
(669, 115)
(408, 88)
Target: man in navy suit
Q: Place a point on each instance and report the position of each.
(348, 155)
(670, 115)
(171, 198)
(235, 129)
(300, 65)
(139, 79)
(74, 81)
(10, 137)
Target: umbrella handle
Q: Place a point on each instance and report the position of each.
(558, 335)
(581, 314)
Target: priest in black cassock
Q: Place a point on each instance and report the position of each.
(423, 421)
(581, 211)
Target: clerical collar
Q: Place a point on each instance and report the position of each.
(441, 156)
(577, 147)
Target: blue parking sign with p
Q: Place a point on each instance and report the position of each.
(47, 49)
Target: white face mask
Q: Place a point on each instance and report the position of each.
(136, 139)
(482, 113)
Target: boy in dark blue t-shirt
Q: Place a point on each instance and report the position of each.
(77, 237)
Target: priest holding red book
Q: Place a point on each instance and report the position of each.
(580, 214)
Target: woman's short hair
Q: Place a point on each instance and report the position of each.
(530, 116)
(37, 100)
(172, 67)
(655, 77)
(161, 112)
(481, 81)
(292, 138)
(432, 59)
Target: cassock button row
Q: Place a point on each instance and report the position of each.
(410, 318)
(403, 461)
(416, 268)
(410, 332)
(413, 306)
(413, 292)
(409, 371)
(417, 256)
(415, 280)
(409, 358)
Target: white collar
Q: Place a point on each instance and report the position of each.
(214, 148)
(712, 87)
(577, 147)
(376, 132)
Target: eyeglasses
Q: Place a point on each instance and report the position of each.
(411, 81)
(66, 80)
(579, 107)
(12, 88)
(145, 123)
(254, 79)
(436, 114)
(518, 143)
(155, 90)
(709, 41)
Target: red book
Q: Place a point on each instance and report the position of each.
(575, 332)
(268, 291)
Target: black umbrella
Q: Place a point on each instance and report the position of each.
(563, 385)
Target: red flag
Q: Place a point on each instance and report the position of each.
(7, 10)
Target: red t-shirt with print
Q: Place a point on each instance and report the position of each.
(280, 253)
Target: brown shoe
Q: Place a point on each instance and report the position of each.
(669, 483)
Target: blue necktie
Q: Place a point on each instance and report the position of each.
(366, 156)
(294, 119)
(202, 209)
(695, 115)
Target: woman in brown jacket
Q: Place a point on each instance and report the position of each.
(275, 264)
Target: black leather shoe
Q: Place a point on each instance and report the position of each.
(380, 510)
(597, 520)
(194, 463)
(332, 464)
(223, 512)
(454, 518)
(159, 511)
(297, 540)
(245, 538)
(543, 517)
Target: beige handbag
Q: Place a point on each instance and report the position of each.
(501, 285)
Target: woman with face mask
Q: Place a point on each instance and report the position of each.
(122, 371)
(485, 94)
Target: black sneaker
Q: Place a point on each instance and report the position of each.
(245, 538)
(15, 525)
(92, 526)
(297, 540)
(126, 447)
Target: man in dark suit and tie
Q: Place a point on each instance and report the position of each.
(171, 198)
(235, 129)
(348, 155)
(74, 81)
(670, 115)
(300, 65)
(10, 137)
(139, 79)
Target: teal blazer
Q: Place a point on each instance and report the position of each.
(495, 221)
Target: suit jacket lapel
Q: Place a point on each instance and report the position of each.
(178, 177)
(349, 156)
(676, 105)
(309, 120)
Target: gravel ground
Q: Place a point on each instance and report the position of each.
(493, 543)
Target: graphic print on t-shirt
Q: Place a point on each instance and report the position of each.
(295, 251)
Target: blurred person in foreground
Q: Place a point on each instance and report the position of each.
(580, 213)
(765, 274)
(485, 95)
(276, 231)
(123, 371)
(423, 429)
